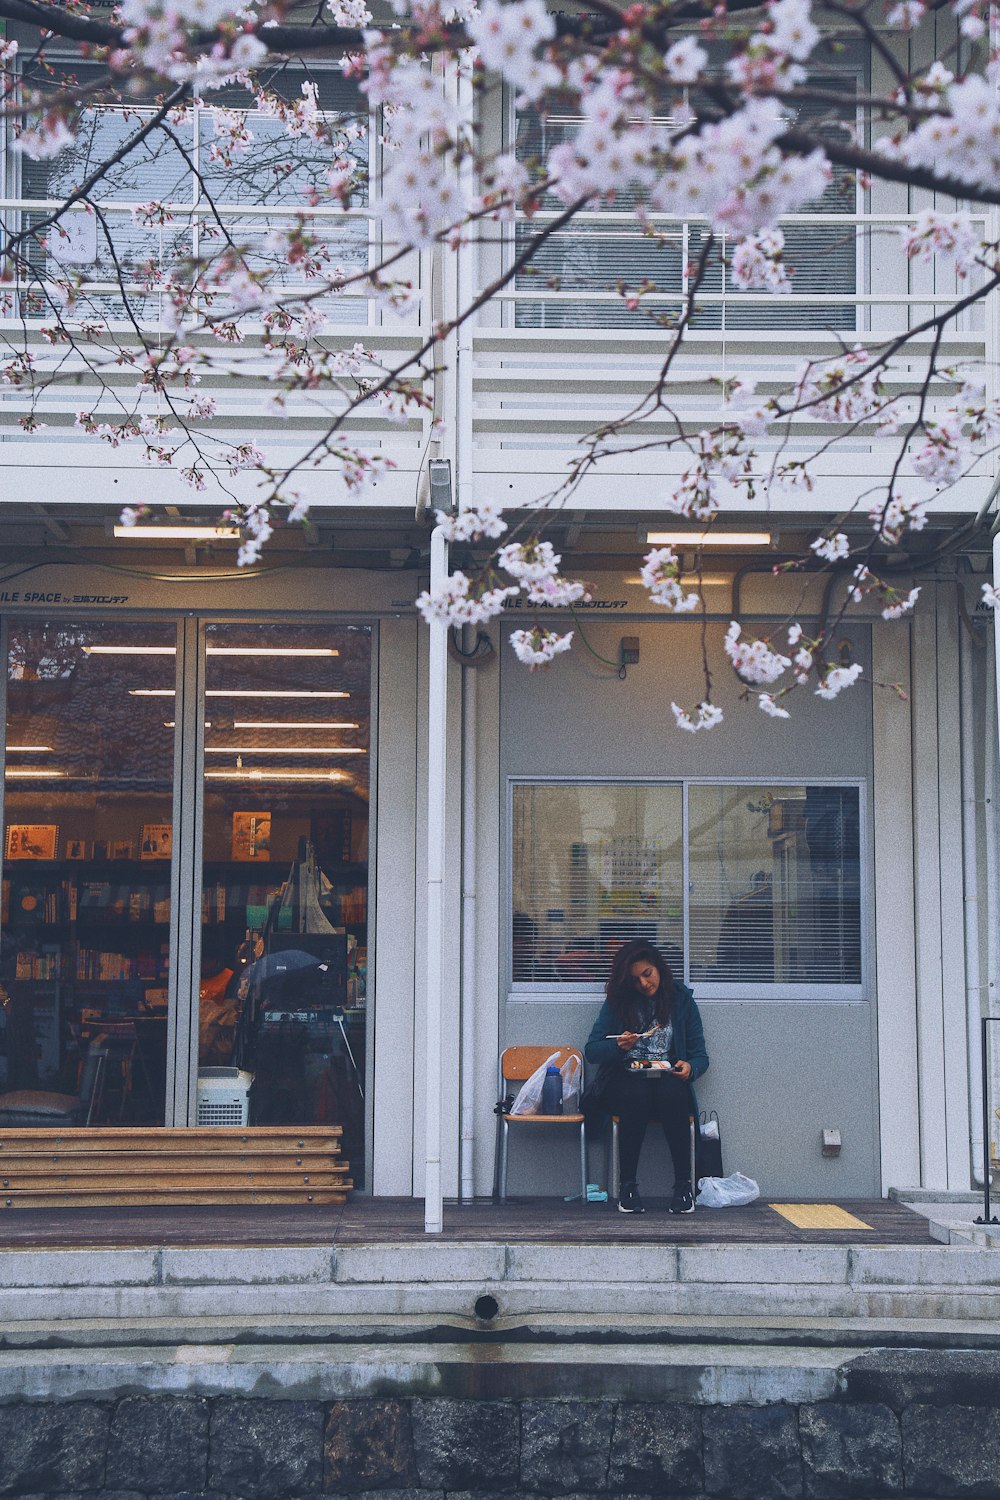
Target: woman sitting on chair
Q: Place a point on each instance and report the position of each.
(648, 1017)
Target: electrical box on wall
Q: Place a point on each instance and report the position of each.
(831, 1141)
(628, 651)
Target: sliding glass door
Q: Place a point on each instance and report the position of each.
(88, 841)
(284, 909)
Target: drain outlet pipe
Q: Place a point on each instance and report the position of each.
(970, 881)
(469, 996)
(437, 772)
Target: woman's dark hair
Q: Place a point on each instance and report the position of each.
(621, 992)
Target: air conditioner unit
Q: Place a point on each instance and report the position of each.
(224, 1096)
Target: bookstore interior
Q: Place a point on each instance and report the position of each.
(95, 758)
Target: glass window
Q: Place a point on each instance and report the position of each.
(605, 247)
(774, 885)
(282, 1035)
(773, 882)
(274, 169)
(593, 867)
(88, 809)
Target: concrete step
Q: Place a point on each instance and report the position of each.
(547, 1283)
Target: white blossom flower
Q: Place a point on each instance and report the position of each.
(907, 14)
(456, 602)
(472, 523)
(705, 716)
(661, 576)
(753, 661)
(900, 607)
(44, 140)
(831, 548)
(837, 679)
(685, 61)
(756, 264)
(991, 595)
(950, 236)
(536, 648)
(766, 702)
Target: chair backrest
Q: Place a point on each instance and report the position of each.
(518, 1063)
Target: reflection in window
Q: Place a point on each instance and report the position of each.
(594, 866)
(282, 1026)
(224, 150)
(774, 883)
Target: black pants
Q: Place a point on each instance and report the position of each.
(636, 1101)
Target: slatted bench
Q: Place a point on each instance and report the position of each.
(123, 1167)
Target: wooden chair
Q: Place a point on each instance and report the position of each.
(516, 1066)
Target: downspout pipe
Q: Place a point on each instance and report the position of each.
(437, 729)
(970, 881)
(469, 934)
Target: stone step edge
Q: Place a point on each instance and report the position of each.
(952, 1265)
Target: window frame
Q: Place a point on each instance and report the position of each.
(528, 992)
(856, 63)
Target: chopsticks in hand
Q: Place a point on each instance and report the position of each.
(641, 1037)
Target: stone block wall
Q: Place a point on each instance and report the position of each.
(896, 1438)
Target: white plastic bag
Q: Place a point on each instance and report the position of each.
(572, 1076)
(726, 1192)
(529, 1097)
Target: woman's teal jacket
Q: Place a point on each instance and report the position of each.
(688, 1041)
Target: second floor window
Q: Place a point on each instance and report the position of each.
(605, 248)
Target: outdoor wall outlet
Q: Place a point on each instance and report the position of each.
(629, 650)
(831, 1141)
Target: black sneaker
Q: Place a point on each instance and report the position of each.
(630, 1202)
(682, 1201)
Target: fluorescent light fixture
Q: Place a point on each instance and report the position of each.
(250, 774)
(177, 533)
(272, 651)
(32, 749)
(171, 723)
(243, 693)
(213, 650)
(25, 771)
(709, 538)
(130, 650)
(284, 750)
(709, 580)
(291, 724)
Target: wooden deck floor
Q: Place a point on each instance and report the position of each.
(380, 1220)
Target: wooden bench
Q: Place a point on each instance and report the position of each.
(118, 1167)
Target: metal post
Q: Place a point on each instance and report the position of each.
(985, 1024)
(437, 731)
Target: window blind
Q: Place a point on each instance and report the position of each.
(774, 885)
(594, 866)
(590, 256)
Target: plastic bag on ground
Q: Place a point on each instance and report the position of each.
(726, 1192)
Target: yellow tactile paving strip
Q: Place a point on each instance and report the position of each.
(818, 1216)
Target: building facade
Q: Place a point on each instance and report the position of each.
(216, 817)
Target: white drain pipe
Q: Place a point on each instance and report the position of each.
(970, 881)
(469, 997)
(437, 732)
